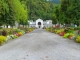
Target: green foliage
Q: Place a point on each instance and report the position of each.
(11, 11)
(77, 28)
(54, 19)
(39, 9)
(68, 12)
(66, 35)
(20, 11)
(2, 39)
(56, 12)
(78, 39)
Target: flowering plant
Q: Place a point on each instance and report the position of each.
(2, 39)
(78, 39)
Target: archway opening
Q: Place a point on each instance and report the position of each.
(39, 24)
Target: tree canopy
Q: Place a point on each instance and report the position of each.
(11, 11)
(68, 11)
(39, 9)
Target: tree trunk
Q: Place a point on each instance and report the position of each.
(18, 25)
(23, 26)
(6, 26)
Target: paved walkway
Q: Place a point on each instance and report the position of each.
(40, 45)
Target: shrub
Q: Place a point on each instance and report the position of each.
(52, 31)
(66, 35)
(77, 28)
(10, 31)
(17, 30)
(2, 39)
(55, 31)
(19, 34)
(22, 32)
(58, 31)
(4, 33)
(15, 36)
(78, 39)
(47, 29)
(8, 38)
(62, 33)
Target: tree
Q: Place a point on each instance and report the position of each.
(71, 11)
(39, 9)
(54, 19)
(4, 9)
(57, 12)
(11, 11)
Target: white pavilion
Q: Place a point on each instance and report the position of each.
(39, 23)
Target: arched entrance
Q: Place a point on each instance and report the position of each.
(39, 24)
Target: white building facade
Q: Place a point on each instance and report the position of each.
(39, 23)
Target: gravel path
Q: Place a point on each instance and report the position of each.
(40, 45)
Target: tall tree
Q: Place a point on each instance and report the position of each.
(39, 9)
(11, 11)
(71, 11)
(68, 12)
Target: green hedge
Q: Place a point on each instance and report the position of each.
(77, 28)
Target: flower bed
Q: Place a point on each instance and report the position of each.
(66, 33)
(9, 34)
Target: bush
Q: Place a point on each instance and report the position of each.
(19, 33)
(78, 39)
(2, 39)
(15, 36)
(47, 29)
(4, 33)
(62, 33)
(66, 35)
(10, 31)
(77, 28)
